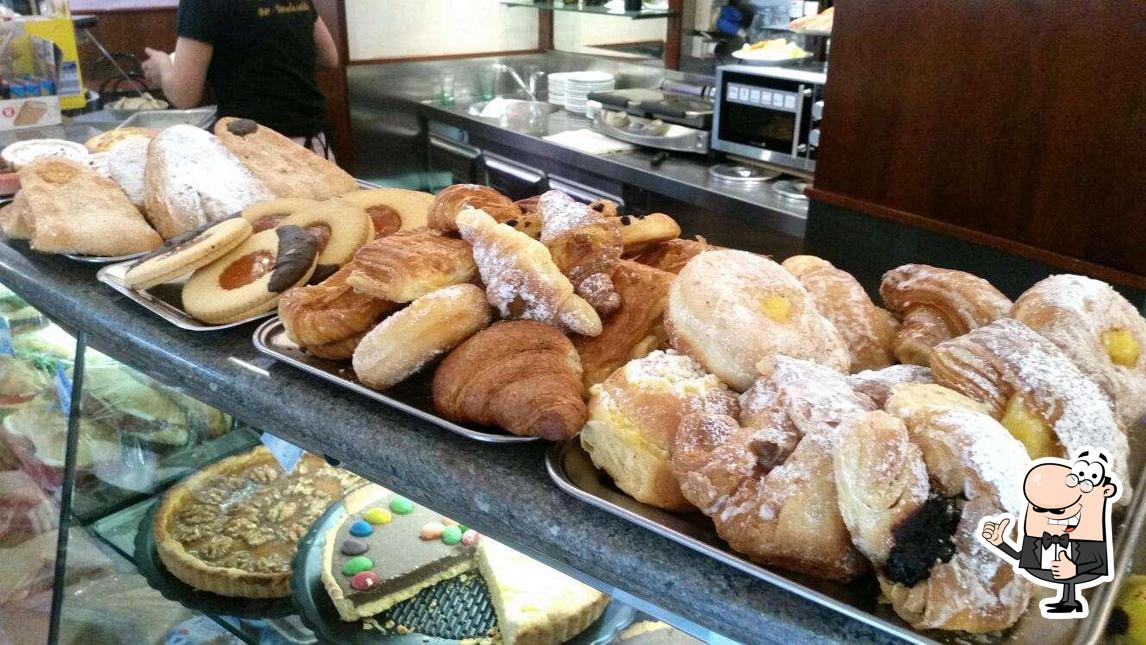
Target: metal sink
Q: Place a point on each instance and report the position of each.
(530, 117)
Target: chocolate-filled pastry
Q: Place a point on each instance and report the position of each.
(454, 199)
(522, 376)
(287, 168)
(584, 245)
(269, 214)
(1098, 329)
(318, 315)
(249, 279)
(672, 255)
(409, 264)
(392, 209)
(937, 305)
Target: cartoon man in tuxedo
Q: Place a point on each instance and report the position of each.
(1066, 529)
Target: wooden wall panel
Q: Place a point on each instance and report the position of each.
(1019, 124)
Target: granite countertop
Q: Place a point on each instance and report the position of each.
(500, 490)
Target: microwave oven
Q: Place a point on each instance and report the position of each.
(769, 114)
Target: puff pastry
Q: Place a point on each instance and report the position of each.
(521, 279)
(330, 311)
(455, 199)
(522, 376)
(936, 305)
(868, 331)
(878, 385)
(733, 310)
(409, 264)
(1034, 389)
(584, 245)
(672, 255)
(1098, 329)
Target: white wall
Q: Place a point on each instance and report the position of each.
(408, 28)
(576, 32)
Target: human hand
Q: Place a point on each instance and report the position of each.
(1062, 568)
(993, 532)
(157, 66)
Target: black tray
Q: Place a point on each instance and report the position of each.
(445, 613)
(172, 588)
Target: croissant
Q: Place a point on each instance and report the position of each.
(868, 331)
(766, 479)
(1034, 389)
(632, 331)
(523, 376)
(330, 311)
(1098, 329)
(584, 245)
(454, 199)
(339, 350)
(521, 279)
(672, 255)
(936, 305)
(409, 264)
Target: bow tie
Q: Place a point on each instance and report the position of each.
(1047, 540)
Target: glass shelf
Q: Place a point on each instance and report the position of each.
(601, 10)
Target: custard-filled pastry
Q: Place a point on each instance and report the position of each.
(409, 264)
(937, 305)
(1034, 390)
(868, 330)
(672, 255)
(879, 384)
(732, 310)
(585, 245)
(1098, 329)
(521, 279)
(330, 311)
(766, 479)
(632, 331)
(455, 199)
(522, 376)
(912, 495)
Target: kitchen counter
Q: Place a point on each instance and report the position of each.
(502, 491)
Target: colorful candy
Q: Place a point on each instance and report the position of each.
(357, 564)
(361, 528)
(470, 537)
(431, 531)
(452, 535)
(354, 547)
(401, 506)
(377, 516)
(364, 581)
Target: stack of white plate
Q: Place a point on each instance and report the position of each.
(557, 88)
(578, 86)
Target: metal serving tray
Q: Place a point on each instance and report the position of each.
(160, 119)
(105, 259)
(411, 396)
(571, 468)
(165, 300)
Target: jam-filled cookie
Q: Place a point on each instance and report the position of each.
(267, 215)
(248, 280)
(186, 253)
(340, 229)
(392, 209)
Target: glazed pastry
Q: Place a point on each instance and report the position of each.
(340, 230)
(912, 497)
(672, 255)
(457, 198)
(584, 245)
(182, 255)
(879, 384)
(640, 232)
(431, 326)
(732, 310)
(633, 419)
(521, 279)
(766, 479)
(73, 209)
(126, 164)
(193, 180)
(248, 280)
(522, 376)
(407, 265)
(937, 305)
(1034, 389)
(1098, 329)
(868, 331)
(392, 209)
(632, 331)
(328, 312)
(106, 141)
(267, 215)
(286, 168)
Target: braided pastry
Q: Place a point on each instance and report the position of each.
(584, 245)
(937, 305)
(867, 330)
(766, 479)
(454, 199)
(522, 376)
(1098, 329)
(1035, 391)
(330, 311)
(409, 264)
(732, 310)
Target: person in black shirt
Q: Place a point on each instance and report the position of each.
(259, 57)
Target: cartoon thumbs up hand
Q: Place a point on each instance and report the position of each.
(1062, 568)
(993, 532)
